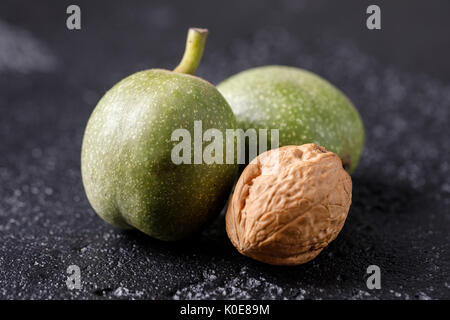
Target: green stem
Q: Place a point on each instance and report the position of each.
(195, 44)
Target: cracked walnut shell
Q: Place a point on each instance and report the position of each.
(289, 204)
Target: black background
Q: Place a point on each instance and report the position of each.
(51, 78)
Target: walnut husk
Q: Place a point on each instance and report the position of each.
(289, 204)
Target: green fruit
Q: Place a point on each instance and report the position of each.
(303, 106)
(127, 170)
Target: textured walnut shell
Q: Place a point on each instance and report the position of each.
(289, 204)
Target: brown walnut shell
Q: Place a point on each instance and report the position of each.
(289, 204)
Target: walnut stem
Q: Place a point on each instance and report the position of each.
(195, 44)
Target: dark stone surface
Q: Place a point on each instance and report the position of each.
(51, 79)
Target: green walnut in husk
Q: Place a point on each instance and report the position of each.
(303, 106)
(127, 169)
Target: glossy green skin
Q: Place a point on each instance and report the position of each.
(128, 175)
(303, 106)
